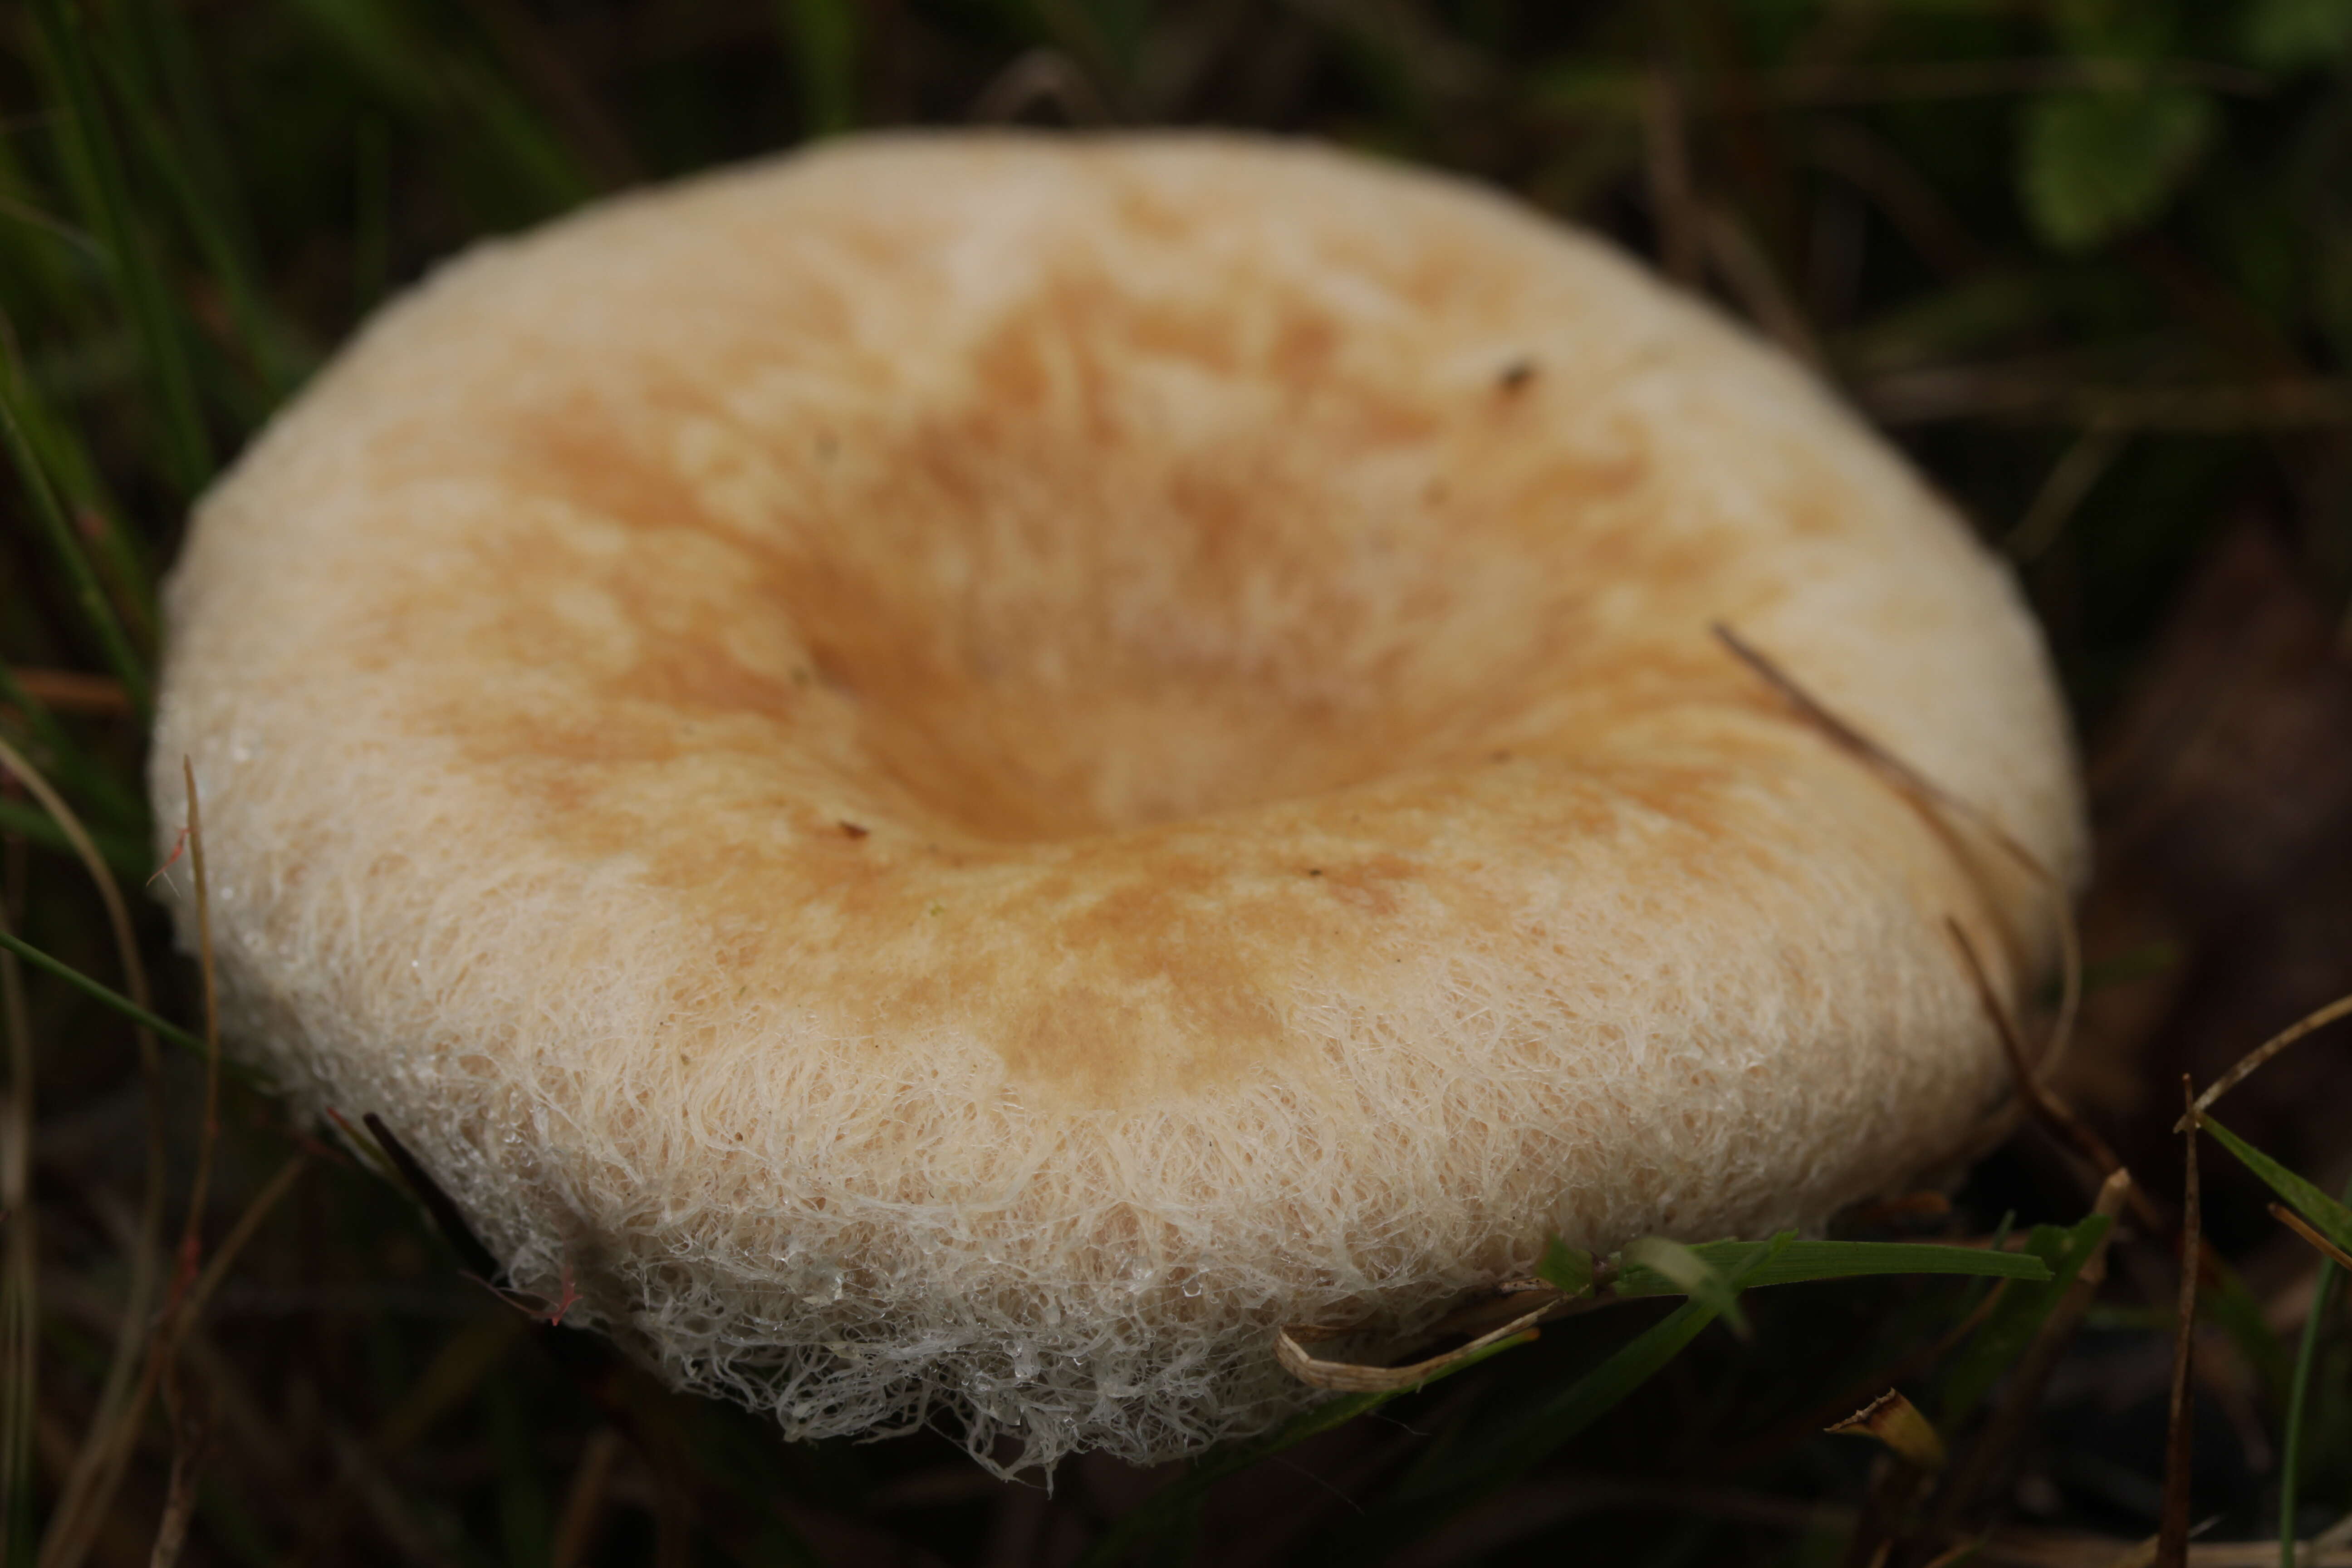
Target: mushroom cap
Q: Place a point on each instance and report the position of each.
(960, 773)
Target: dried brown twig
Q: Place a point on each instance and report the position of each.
(2303, 1228)
(2040, 1100)
(2318, 1018)
(2006, 1427)
(81, 1504)
(2172, 1538)
(1941, 802)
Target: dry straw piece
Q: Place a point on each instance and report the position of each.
(959, 774)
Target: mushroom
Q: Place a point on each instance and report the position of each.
(958, 774)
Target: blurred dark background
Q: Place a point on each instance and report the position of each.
(2089, 263)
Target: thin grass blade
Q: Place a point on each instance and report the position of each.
(2061, 1251)
(96, 992)
(20, 1310)
(1692, 1274)
(266, 342)
(70, 763)
(1803, 1262)
(2298, 1404)
(88, 592)
(1567, 1270)
(113, 216)
(1455, 1475)
(2334, 1220)
(823, 34)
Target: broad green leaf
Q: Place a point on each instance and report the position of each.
(2097, 163)
(1691, 1274)
(1567, 1270)
(2329, 1217)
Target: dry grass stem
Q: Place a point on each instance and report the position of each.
(20, 1310)
(1908, 1365)
(2002, 393)
(1043, 77)
(1667, 163)
(2172, 1542)
(2316, 1019)
(232, 1242)
(2069, 481)
(2045, 1106)
(82, 1500)
(583, 1504)
(180, 1303)
(1939, 801)
(1748, 273)
(73, 691)
(188, 1439)
(2005, 1428)
(2302, 1227)
(1913, 82)
(1350, 1377)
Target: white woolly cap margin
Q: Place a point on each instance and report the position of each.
(961, 773)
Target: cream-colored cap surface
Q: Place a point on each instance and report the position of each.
(964, 771)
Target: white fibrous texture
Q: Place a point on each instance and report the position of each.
(957, 776)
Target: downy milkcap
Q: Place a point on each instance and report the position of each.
(959, 773)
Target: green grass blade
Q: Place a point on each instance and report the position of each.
(20, 1310)
(98, 993)
(1687, 1271)
(372, 215)
(546, 173)
(434, 83)
(51, 277)
(2018, 1317)
(1803, 1262)
(2307, 1355)
(88, 591)
(2332, 1219)
(1713, 1275)
(60, 453)
(90, 140)
(1600, 1391)
(1481, 1465)
(823, 40)
(1567, 1270)
(70, 765)
(121, 855)
(266, 341)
